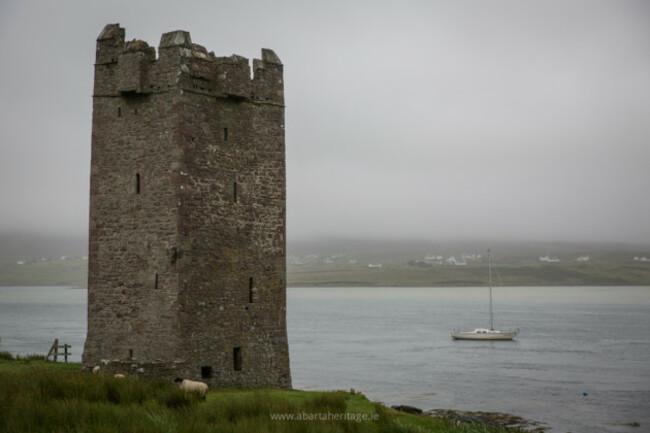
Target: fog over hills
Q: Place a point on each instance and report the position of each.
(31, 245)
(505, 251)
(39, 260)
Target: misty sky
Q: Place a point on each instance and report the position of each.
(515, 120)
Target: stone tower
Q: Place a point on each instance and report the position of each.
(186, 271)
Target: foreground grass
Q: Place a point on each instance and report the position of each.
(36, 396)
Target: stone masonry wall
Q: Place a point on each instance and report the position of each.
(187, 215)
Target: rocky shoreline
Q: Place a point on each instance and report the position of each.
(492, 419)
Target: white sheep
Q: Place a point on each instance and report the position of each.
(119, 376)
(192, 386)
(96, 369)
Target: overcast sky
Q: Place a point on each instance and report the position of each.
(516, 120)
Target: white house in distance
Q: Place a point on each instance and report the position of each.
(549, 259)
(456, 261)
(583, 259)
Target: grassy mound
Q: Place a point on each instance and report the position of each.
(36, 396)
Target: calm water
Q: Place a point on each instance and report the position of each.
(32, 317)
(394, 345)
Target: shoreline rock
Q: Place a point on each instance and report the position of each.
(492, 419)
(407, 409)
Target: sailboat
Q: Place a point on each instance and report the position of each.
(484, 333)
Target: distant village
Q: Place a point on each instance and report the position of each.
(427, 261)
(49, 259)
(549, 259)
(430, 260)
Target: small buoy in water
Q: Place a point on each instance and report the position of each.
(585, 394)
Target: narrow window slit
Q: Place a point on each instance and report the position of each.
(225, 134)
(250, 289)
(119, 111)
(156, 283)
(234, 190)
(237, 358)
(137, 183)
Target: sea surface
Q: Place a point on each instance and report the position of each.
(581, 362)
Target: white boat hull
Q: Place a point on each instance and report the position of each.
(484, 334)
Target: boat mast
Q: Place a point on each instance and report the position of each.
(490, 274)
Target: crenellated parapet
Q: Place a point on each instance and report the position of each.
(125, 68)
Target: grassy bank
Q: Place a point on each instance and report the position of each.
(527, 273)
(36, 396)
(392, 273)
(69, 272)
(403, 263)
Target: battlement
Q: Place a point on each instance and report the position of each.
(125, 68)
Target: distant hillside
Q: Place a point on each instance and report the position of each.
(504, 251)
(37, 260)
(27, 245)
(28, 259)
(426, 263)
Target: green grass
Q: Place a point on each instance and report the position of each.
(25, 360)
(528, 273)
(15, 365)
(614, 268)
(36, 396)
(71, 272)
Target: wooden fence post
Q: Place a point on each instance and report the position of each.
(53, 350)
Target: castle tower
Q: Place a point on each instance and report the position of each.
(186, 271)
